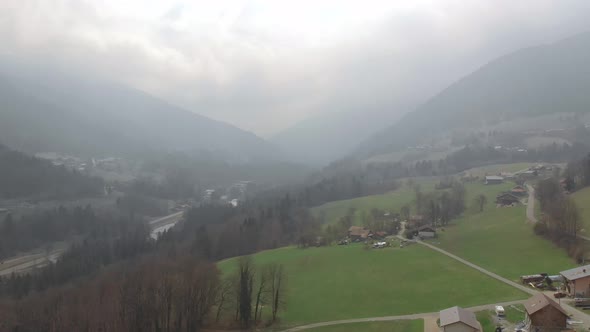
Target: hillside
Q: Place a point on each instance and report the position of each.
(321, 139)
(531, 82)
(87, 116)
(25, 176)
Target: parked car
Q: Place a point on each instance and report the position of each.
(559, 295)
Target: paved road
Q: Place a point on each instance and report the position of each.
(37, 260)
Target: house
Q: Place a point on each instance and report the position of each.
(507, 199)
(427, 232)
(518, 191)
(380, 235)
(457, 319)
(492, 179)
(543, 314)
(577, 281)
(357, 233)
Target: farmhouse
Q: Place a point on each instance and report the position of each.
(577, 281)
(425, 231)
(518, 191)
(357, 233)
(507, 199)
(457, 319)
(494, 179)
(544, 315)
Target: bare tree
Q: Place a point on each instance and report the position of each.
(277, 279)
(480, 201)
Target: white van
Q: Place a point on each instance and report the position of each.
(500, 311)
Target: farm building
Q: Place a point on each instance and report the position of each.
(507, 199)
(577, 281)
(494, 179)
(427, 232)
(357, 233)
(518, 191)
(544, 315)
(457, 319)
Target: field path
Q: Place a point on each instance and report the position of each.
(530, 205)
(430, 324)
(427, 316)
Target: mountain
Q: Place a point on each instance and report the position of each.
(327, 137)
(47, 110)
(531, 82)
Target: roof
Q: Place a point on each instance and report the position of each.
(494, 177)
(358, 231)
(457, 314)
(576, 273)
(539, 302)
(519, 189)
(425, 227)
(507, 195)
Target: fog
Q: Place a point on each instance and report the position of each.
(265, 65)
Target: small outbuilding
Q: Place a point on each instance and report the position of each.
(492, 179)
(518, 191)
(457, 319)
(507, 199)
(358, 233)
(426, 232)
(544, 315)
(577, 281)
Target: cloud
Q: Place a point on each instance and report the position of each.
(264, 65)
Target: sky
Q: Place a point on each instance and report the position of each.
(265, 65)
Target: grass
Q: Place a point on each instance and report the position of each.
(416, 325)
(500, 240)
(484, 317)
(514, 313)
(495, 169)
(345, 282)
(392, 201)
(582, 199)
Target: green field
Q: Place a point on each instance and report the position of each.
(495, 169)
(582, 199)
(345, 282)
(392, 201)
(500, 239)
(416, 325)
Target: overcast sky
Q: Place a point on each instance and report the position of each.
(264, 65)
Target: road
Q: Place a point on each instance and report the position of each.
(24, 263)
(530, 207)
(425, 315)
(29, 262)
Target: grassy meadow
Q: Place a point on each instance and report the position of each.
(582, 199)
(344, 282)
(391, 201)
(500, 239)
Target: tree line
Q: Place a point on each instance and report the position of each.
(26, 176)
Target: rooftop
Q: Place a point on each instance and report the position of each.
(494, 177)
(457, 314)
(539, 302)
(576, 273)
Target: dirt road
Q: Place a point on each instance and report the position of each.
(530, 207)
